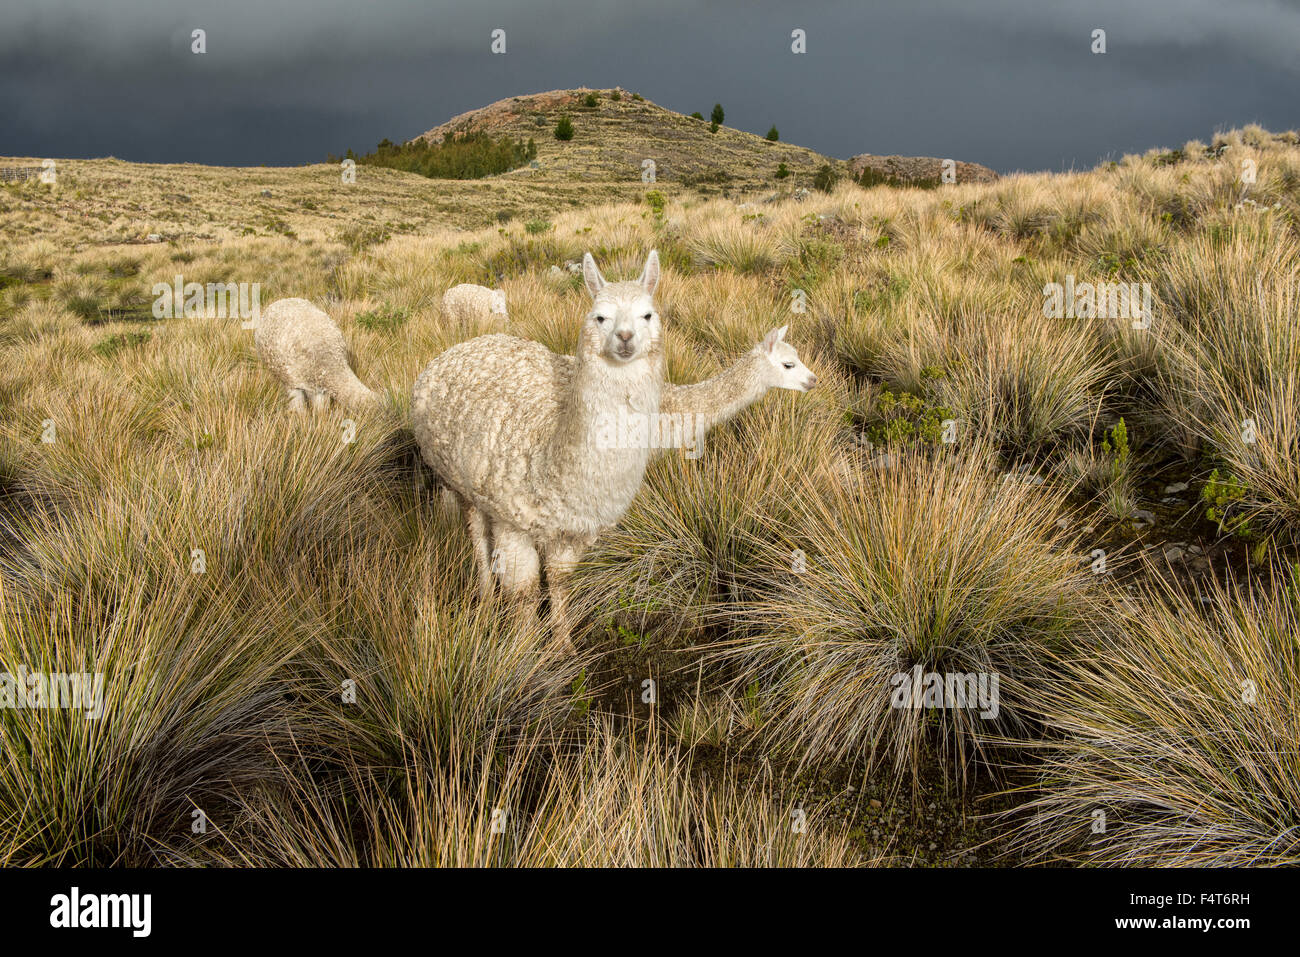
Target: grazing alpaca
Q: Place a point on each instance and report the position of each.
(306, 351)
(466, 302)
(515, 431)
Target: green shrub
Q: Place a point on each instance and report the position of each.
(825, 178)
(564, 129)
(657, 203)
(872, 177)
(773, 135)
(471, 156)
(717, 116)
(110, 346)
(591, 101)
(781, 171)
(905, 418)
(384, 319)
(1220, 494)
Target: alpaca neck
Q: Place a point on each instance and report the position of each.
(353, 392)
(723, 396)
(580, 450)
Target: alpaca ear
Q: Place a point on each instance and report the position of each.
(591, 275)
(650, 275)
(772, 338)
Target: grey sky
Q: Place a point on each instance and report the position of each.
(1009, 83)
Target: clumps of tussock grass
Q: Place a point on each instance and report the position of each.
(715, 719)
(742, 247)
(328, 561)
(1022, 384)
(111, 345)
(865, 325)
(1020, 213)
(1235, 348)
(193, 686)
(616, 798)
(30, 262)
(126, 504)
(936, 562)
(1122, 246)
(1254, 433)
(723, 312)
(32, 322)
(434, 667)
(1177, 720)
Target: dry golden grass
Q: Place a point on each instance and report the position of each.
(1178, 734)
(129, 443)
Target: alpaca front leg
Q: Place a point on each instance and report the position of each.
(560, 563)
(515, 560)
(320, 401)
(297, 400)
(478, 533)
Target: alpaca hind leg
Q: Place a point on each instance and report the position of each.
(320, 401)
(478, 533)
(560, 562)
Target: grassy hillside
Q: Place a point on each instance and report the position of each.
(286, 620)
(613, 137)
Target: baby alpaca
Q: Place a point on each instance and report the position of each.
(514, 430)
(772, 364)
(306, 351)
(466, 301)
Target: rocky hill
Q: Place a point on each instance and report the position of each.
(917, 170)
(616, 131)
(614, 137)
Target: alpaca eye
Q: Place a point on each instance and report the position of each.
(788, 365)
(648, 316)
(600, 318)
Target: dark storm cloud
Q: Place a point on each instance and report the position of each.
(1009, 83)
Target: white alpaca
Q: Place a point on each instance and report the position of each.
(467, 301)
(306, 351)
(515, 431)
(772, 364)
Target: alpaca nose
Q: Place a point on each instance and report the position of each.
(810, 382)
(625, 335)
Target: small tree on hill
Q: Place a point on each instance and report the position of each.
(564, 129)
(773, 135)
(825, 177)
(718, 116)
